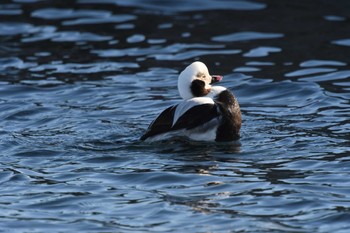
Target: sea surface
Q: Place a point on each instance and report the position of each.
(81, 80)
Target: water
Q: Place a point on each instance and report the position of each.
(81, 80)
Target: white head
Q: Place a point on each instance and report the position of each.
(195, 81)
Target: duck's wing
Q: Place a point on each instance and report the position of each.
(196, 116)
(161, 124)
(186, 105)
(186, 115)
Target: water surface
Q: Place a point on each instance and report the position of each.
(81, 80)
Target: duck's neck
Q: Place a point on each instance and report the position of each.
(215, 90)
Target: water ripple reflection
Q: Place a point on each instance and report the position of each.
(84, 16)
(81, 80)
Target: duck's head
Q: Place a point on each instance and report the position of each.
(195, 81)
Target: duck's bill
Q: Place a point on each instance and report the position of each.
(216, 78)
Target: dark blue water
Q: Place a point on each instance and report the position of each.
(81, 80)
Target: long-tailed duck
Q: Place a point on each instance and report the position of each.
(206, 113)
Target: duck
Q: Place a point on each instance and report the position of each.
(206, 112)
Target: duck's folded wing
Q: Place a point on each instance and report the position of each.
(196, 116)
(193, 117)
(161, 124)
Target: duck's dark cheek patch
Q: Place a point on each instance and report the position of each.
(198, 88)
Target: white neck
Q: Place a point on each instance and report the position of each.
(215, 90)
(184, 89)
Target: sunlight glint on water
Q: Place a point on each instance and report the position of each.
(82, 80)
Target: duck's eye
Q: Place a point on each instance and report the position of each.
(200, 76)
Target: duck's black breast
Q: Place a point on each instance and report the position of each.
(231, 119)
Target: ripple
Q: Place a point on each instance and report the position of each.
(156, 41)
(246, 69)
(179, 51)
(11, 62)
(106, 19)
(183, 5)
(328, 77)
(343, 42)
(309, 71)
(165, 25)
(334, 18)
(258, 63)
(267, 98)
(27, 1)
(85, 16)
(261, 51)
(14, 62)
(10, 11)
(135, 38)
(78, 36)
(246, 36)
(174, 52)
(125, 26)
(313, 63)
(43, 83)
(192, 54)
(56, 13)
(43, 33)
(84, 68)
(81, 80)
(50, 33)
(11, 28)
(126, 52)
